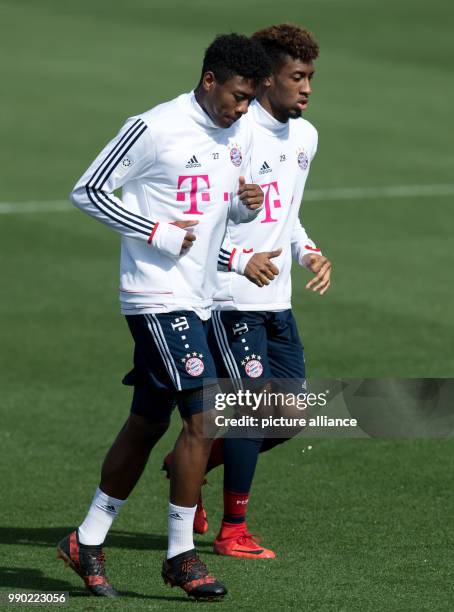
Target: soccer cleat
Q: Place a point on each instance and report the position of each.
(200, 517)
(188, 572)
(236, 541)
(88, 562)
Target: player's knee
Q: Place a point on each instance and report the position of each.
(200, 429)
(197, 413)
(145, 430)
(194, 428)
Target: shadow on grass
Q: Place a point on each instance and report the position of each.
(31, 578)
(19, 578)
(49, 536)
(34, 579)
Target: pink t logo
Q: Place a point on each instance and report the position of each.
(181, 196)
(276, 203)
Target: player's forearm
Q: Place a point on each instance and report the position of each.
(233, 258)
(110, 210)
(301, 244)
(301, 249)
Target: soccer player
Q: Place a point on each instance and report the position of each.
(182, 168)
(253, 329)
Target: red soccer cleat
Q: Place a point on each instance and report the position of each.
(200, 518)
(236, 541)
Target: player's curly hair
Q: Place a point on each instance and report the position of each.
(235, 54)
(287, 39)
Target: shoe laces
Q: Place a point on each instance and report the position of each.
(97, 561)
(195, 566)
(247, 538)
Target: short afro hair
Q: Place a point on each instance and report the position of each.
(287, 39)
(234, 54)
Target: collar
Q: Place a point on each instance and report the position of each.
(266, 121)
(199, 115)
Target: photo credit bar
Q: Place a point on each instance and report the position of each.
(331, 408)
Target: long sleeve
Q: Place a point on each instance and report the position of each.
(233, 258)
(127, 157)
(301, 243)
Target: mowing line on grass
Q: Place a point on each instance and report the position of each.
(389, 191)
(312, 195)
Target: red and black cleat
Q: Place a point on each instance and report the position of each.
(88, 562)
(190, 573)
(200, 517)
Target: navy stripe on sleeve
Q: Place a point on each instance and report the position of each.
(102, 200)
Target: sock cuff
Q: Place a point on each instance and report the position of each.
(236, 495)
(107, 503)
(183, 510)
(235, 505)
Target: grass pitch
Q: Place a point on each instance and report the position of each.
(357, 524)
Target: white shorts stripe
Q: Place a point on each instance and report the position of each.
(167, 351)
(155, 335)
(227, 355)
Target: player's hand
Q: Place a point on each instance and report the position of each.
(260, 270)
(250, 194)
(189, 238)
(321, 267)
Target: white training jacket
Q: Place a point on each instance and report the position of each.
(280, 162)
(172, 163)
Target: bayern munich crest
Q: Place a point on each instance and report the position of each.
(193, 364)
(253, 366)
(235, 156)
(303, 160)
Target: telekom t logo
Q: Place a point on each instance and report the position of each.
(268, 188)
(205, 196)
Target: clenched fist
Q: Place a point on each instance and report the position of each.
(189, 238)
(250, 194)
(260, 270)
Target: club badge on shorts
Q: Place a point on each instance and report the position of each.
(303, 160)
(253, 365)
(235, 155)
(193, 364)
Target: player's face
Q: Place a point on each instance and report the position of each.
(290, 88)
(225, 103)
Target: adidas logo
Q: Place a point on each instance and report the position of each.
(176, 516)
(265, 168)
(109, 508)
(193, 163)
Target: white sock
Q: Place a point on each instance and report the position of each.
(102, 512)
(181, 525)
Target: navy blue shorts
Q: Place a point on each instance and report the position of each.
(171, 358)
(256, 345)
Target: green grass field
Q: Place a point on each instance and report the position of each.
(357, 524)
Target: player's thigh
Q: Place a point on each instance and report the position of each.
(171, 356)
(239, 344)
(285, 349)
(288, 371)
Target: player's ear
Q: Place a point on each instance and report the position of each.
(268, 81)
(208, 80)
